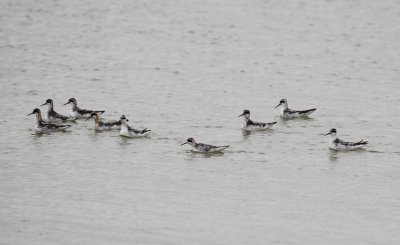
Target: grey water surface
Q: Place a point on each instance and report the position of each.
(186, 68)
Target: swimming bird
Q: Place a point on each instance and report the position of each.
(287, 113)
(337, 144)
(127, 131)
(204, 148)
(100, 125)
(77, 112)
(251, 125)
(51, 115)
(42, 126)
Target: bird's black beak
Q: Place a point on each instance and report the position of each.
(30, 114)
(88, 118)
(278, 105)
(328, 134)
(241, 115)
(67, 103)
(184, 143)
(44, 104)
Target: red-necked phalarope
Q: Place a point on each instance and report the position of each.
(51, 115)
(127, 131)
(204, 148)
(250, 125)
(287, 113)
(42, 126)
(100, 125)
(336, 144)
(77, 112)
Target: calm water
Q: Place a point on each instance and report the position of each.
(188, 69)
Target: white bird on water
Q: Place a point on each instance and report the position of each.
(45, 127)
(337, 144)
(77, 112)
(249, 125)
(127, 131)
(101, 125)
(287, 113)
(204, 148)
(53, 116)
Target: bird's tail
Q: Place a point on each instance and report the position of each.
(309, 111)
(361, 142)
(145, 130)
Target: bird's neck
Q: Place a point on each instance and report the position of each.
(74, 106)
(97, 119)
(51, 107)
(333, 137)
(38, 118)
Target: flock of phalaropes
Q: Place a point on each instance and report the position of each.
(54, 122)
